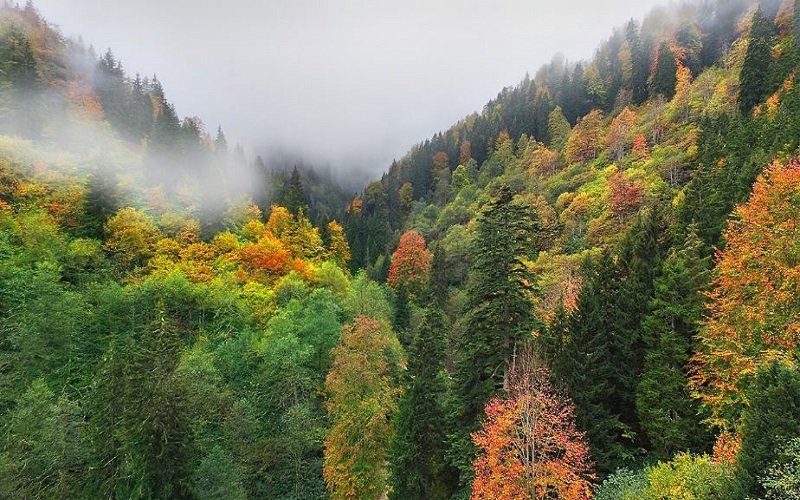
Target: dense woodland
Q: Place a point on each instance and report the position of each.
(587, 289)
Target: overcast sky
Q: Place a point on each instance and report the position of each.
(355, 83)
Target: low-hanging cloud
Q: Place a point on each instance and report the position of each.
(347, 83)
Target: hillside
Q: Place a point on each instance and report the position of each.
(587, 289)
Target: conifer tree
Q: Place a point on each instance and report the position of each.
(754, 77)
(558, 130)
(772, 418)
(419, 469)
(665, 75)
(294, 196)
(668, 416)
(639, 65)
(500, 316)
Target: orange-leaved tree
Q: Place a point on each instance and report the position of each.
(754, 314)
(410, 263)
(529, 446)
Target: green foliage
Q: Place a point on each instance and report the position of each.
(782, 479)
(46, 449)
(754, 83)
(689, 477)
(667, 413)
(419, 468)
(500, 294)
(558, 130)
(664, 77)
(772, 418)
(218, 478)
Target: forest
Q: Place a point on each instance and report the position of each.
(587, 289)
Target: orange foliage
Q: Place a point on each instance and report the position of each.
(84, 99)
(726, 448)
(640, 149)
(465, 153)
(268, 258)
(410, 262)
(619, 134)
(754, 314)
(586, 140)
(529, 446)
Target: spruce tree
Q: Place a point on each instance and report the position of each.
(667, 413)
(664, 78)
(639, 65)
(294, 196)
(499, 316)
(587, 362)
(772, 418)
(419, 469)
(754, 77)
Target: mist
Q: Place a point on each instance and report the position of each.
(352, 84)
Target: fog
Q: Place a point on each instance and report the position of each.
(349, 83)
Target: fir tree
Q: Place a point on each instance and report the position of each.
(666, 411)
(639, 66)
(294, 196)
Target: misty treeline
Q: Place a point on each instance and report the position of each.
(588, 289)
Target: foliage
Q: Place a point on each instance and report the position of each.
(529, 446)
(362, 395)
(752, 308)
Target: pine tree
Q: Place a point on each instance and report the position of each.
(558, 130)
(500, 316)
(419, 469)
(754, 77)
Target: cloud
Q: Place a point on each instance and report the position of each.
(350, 83)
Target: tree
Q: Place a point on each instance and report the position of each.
(754, 78)
(781, 481)
(441, 177)
(362, 392)
(772, 417)
(586, 141)
(338, 248)
(558, 130)
(620, 133)
(499, 318)
(666, 411)
(410, 264)
(752, 311)
(419, 468)
(529, 445)
(664, 77)
(218, 477)
(294, 196)
(45, 453)
(130, 236)
(639, 63)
